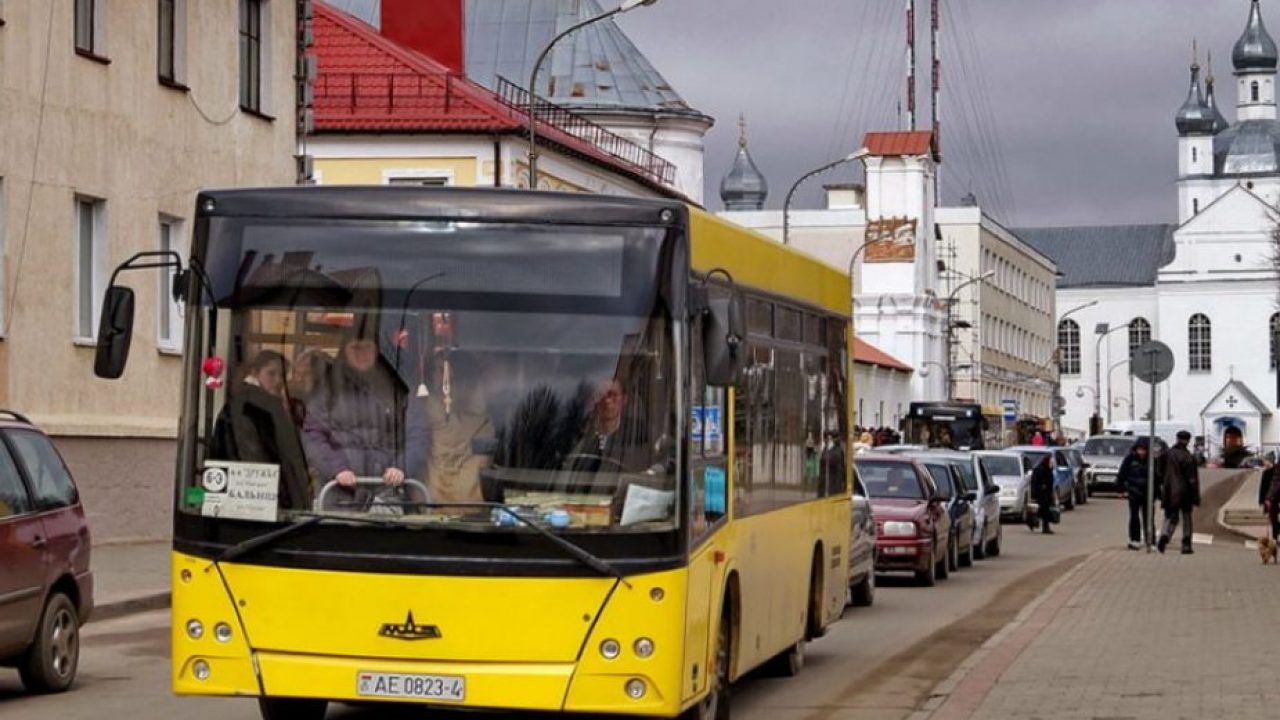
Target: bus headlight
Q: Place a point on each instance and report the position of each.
(222, 632)
(636, 688)
(610, 649)
(195, 629)
(643, 647)
(900, 529)
(200, 669)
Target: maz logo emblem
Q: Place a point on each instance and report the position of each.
(409, 630)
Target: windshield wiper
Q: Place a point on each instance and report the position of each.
(267, 538)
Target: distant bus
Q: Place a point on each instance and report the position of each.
(946, 424)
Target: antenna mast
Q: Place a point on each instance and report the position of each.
(911, 64)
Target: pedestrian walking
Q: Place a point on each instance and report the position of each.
(1042, 493)
(1181, 492)
(1269, 498)
(1132, 478)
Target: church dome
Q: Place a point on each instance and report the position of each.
(1195, 117)
(1251, 147)
(1255, 50)
(745, 187)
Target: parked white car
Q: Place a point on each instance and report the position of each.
(1005, 470)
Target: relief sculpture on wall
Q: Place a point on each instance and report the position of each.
(891, 240)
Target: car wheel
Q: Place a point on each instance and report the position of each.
(979, 551)
(1084, 494)
(966, 560)
(929, 578)
(993, 548)
(1070, 503)
(944, 564)
(864, 593)
(50, 665)
(292, 708)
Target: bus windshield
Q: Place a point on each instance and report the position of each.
(433, 372)
(938, 425)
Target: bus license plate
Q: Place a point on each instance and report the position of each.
(402, 685)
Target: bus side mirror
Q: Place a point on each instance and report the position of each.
(724, 341)
(115, 333)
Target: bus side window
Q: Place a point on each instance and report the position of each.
(708, 473)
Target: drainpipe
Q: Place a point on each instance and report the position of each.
(497, 161)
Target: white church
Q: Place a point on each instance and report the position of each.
(1207, 287)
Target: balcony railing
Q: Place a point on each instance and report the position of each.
(637, 157)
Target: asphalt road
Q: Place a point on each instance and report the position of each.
(879, 662)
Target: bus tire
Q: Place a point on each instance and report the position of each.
(292, 708)
(787, 663)
(715, 704)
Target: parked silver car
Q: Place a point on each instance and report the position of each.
(1104, 453)
(1005, 470)
(987, 533)
(862, 548)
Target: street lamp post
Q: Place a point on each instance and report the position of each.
(786, 204)
(1110, 403)
(1102, 330)
(626, 6)
(950, 301)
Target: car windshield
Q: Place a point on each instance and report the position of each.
(941, 475)
(887, 480)
(967, 475)
(436, 375)
(1002, 466)
(1108, 446)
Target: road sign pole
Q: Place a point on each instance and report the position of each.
(1154, 365)
(1151, 464)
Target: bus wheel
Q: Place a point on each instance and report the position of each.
(292, 709)
(715, 705)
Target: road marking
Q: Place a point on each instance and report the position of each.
(1201, 539)
(1250, 544)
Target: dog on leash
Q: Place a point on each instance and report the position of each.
(1267, 550)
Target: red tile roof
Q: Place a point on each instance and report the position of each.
(868, 354)
(895, 144)
(367, 83)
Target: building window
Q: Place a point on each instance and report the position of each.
(1195, 206)
(169, 323)
(1139, 334)
(1200, 344)
(251, 55)
(90, 27)
(1069, 342)
(1275, 328)
(1253, 91)
(89, 241)
(171, 32)
(1195, 155)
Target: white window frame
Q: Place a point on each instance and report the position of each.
(393, 174)
(98, 46)
(96, 282)
(169, 319)
(179, 44)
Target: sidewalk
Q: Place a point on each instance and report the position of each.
(1131, 635)
(1241, 514)
(130, 577)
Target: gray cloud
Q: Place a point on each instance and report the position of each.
(1083, 92)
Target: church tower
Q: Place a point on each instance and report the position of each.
(1254, 58)
(745, 187)
(1197, 125)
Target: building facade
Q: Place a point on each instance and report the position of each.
(113, 115)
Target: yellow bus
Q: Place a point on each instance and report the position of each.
(498, 450)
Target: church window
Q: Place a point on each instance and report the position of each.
(1253, 91)
(1275, 328)
(1200, 343)
(1195, 155)
(1069, 346)
(1139, 334)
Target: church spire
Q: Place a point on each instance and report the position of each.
(1219, 122)
(1193, 117)
(745, 187)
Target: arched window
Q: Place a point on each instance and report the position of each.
(1139, 334)
(1275, 328)
(1200, 344)
(1069, 347)
(1253, 91)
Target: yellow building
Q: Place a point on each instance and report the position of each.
(112, 115)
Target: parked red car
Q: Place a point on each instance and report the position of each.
(46, 587)
(913, 527)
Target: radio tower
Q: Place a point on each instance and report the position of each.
(911, 64)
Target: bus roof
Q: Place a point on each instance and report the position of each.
(760, 262)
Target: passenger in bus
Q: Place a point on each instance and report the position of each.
(447, 428)
(258, 425)
(613, 440)
(307, 373)
(355, 420)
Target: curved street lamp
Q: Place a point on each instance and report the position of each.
(626, 6)
(786, 204)
(950, 302)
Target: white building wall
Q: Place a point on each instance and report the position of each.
(881, 396)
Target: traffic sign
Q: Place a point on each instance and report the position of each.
(1152, 362)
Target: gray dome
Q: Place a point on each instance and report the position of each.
(1251, 147)
(1195, 116)
(1255, 50)
(1219, 122)
(745, 187)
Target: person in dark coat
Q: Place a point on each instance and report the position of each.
(1042, 493)
(355, 421)
(1269, 497)
(1132, 479)
(1181, 492)
(1234, 453)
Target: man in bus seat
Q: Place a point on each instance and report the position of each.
(355, 421)
(613, 440)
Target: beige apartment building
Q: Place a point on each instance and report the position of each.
(113, 114)
(1003, 331)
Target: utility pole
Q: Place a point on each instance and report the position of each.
(936, 23)
(911, 64)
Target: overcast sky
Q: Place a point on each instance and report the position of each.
(1083, 92)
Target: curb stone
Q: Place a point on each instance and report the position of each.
(120, 606)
